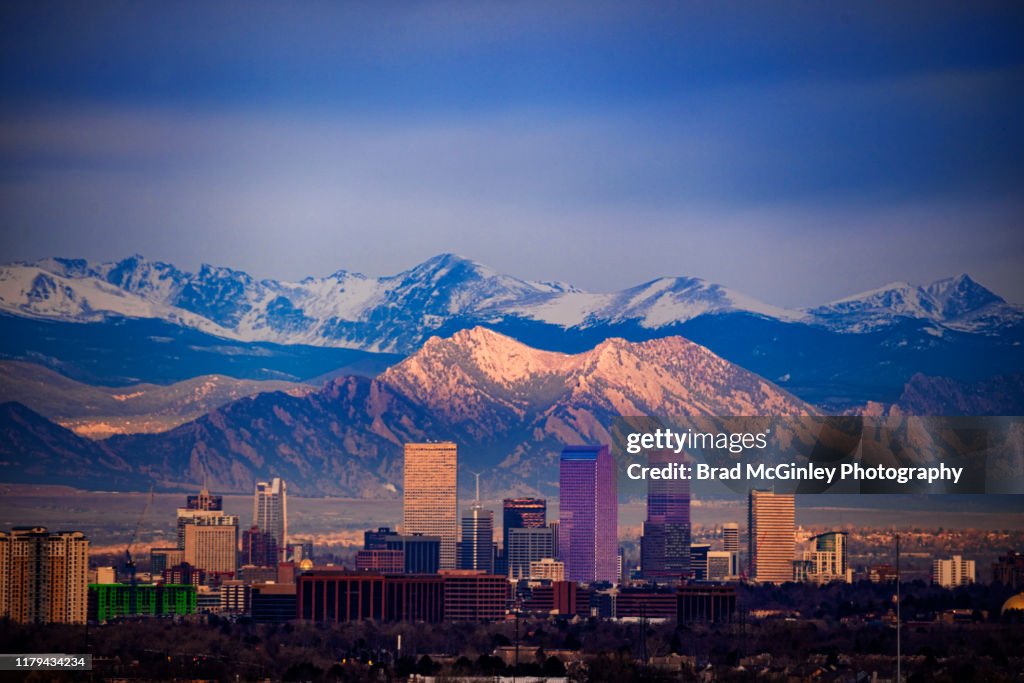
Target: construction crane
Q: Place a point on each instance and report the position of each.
(133, 605)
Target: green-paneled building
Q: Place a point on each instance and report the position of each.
(111, 600)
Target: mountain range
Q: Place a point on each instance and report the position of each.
(98, 411)
(509, 407)
(836, 355)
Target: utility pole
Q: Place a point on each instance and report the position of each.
(899, 621)
(515, 669)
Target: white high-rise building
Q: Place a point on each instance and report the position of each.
(956, 571)
(270, 511)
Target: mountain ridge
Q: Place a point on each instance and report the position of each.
(397, 313)
(346, 438)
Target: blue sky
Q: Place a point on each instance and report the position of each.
(799, 152)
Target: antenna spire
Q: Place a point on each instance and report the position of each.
(477, 475)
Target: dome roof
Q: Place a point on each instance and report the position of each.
(1015, 602)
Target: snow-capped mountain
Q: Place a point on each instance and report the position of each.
(957, 303)
(442, 295)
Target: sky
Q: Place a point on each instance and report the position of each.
(799, 152)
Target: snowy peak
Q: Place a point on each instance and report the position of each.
(957, 303)
(477, 375)
(445, 293)
(960, 295)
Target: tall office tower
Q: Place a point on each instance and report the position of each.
(665, 545)
(731, 537)
(211, 543)
(270, 511)
(204, 501)
(588, 505)
(956, 571)
(828, 560)
(43, 576)
(770, 525)
(477, 539)
(522, 513)
(526, 546)
(430, 502)
(202, 506)
(259, 548)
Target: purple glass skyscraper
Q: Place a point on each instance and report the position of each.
(665, 545)
(588, 534)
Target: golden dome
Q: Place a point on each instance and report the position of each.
(306, 564)
(1015, 602)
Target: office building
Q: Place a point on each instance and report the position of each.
(731, 537)
(645, 603)
(828, 559)
(471, 595)
(722, 565)
(429, 495)
(956, 571)
(422, 554)
(211, 543)
(381, 561)
(270, 512)
(43, 576)
(522, 513)
(588, 514)
(665, 544)
(563, 598)
(199, 507)
(477, 547)
(706, 603)
(771, 545)
(273, 603)
(699, 560)
(259, 548)
(547, 570)
(526, 546)
(414, 598)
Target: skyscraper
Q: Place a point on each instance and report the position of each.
(665, 545)
(588, 505)
(526, 546)
(259, 548)
(731, 537)
(211, 543)
(522, 513)
(770, 526)
(270, 511)
(477, 539)
(477, 547)
(430, 502)
(44, 576)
